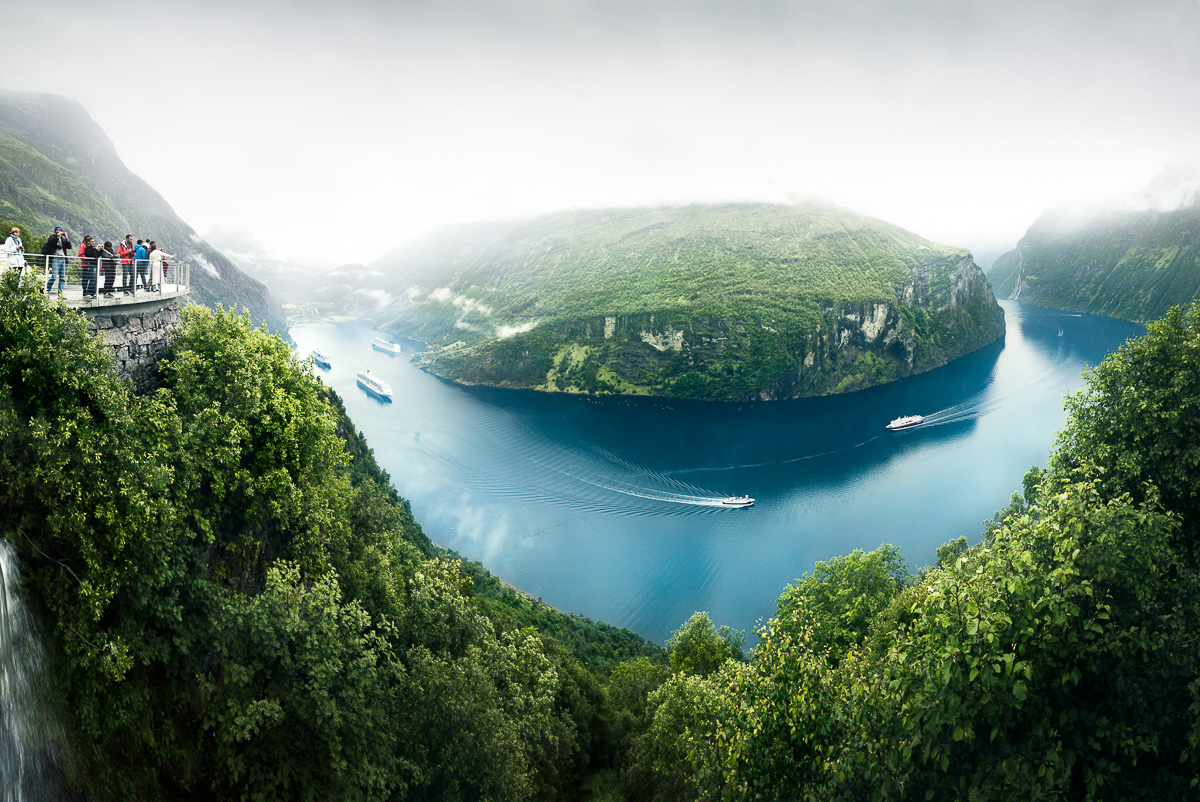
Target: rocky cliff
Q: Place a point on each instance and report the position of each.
(1133, 260)
(732, 302)
(942, 311)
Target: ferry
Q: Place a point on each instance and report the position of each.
(375, 386)
(906, 422)
(387, 346)
(737, 501)
(321, 360)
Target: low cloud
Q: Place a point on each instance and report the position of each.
(207, 266)
(469, 305)
(504, 332)
(381, 298)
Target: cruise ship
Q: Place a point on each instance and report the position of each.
(321, 360)
(737, 501)
(375, 386)
(906, 422)
(387, 346)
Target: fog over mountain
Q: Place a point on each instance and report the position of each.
(324, 134)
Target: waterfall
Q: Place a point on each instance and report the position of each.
(29, 766)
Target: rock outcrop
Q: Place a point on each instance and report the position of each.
(137, 339)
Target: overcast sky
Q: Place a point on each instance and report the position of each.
(330, 132)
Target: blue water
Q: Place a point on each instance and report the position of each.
(605, 507)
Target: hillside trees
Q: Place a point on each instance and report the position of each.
(1056, 659)
(842, 597)
(1136, 424)
(241, 613)
(723, 302)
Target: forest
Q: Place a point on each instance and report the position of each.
(240, 606)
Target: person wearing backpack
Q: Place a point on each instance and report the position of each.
(142, 260)
(108, 260)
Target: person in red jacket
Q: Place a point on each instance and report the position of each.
(126, 250)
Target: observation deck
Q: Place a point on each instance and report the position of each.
(134, 325)
(88, 288)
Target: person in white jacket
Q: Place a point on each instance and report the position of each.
(156, 265)
(14, 250)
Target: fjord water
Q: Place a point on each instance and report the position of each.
(607, 506)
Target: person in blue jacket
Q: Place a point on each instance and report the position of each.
(142, 260)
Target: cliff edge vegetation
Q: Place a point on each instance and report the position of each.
(240, 605)
(722, 302)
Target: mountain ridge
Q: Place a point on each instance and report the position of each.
(730, 302)
(1134, 260)
(58, 167)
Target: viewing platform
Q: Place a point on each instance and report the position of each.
(88, 287)
(134, 325)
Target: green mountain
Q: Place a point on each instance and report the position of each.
(723, 302)
(57, 167)
(1133, 264)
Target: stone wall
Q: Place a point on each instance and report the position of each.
(136, 337)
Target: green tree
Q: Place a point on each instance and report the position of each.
(301, 699)
(1033, 674)
(665, 763)
(843, 597)
(1137, 421)
(699, 648)
(258, 461)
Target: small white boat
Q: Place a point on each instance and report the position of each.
(374, 385)
(905, 422)
(321, 360)
(387, 346)
(737, 501)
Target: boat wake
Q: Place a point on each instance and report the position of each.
(977, 407)
(775, 463)
(592, 478)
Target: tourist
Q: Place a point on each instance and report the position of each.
(127, 251)
(108, 261)
(89, 256)
(56, 251)
(141, 259)
(14, 251)
(156, 265)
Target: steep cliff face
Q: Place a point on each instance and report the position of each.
(1134, 262)
(943, 310)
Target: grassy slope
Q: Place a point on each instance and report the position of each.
(1131, 265)
(755, 287)
(718, 261)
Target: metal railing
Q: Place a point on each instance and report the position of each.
(97, 281)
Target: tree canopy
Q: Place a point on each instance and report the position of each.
(1057, 658)
(245, 608)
